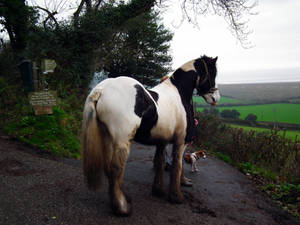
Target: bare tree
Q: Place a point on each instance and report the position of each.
(235, 12)
(53, 10)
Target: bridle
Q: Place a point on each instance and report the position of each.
(207, 77)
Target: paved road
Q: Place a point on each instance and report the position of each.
(38, 189)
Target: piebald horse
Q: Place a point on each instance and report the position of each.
(120, 110)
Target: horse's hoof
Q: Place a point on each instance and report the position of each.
(186, 183)
(176, 198)
(122, 211)
(121, 208)
(159, 192)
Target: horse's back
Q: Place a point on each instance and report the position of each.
(117, 106)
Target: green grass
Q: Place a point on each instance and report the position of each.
(287, 194)
(292, 135)
(223, 100)
(248, 167)
(224, 157)
(48, 132)
(283, 113)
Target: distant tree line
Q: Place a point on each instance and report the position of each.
(228, 114)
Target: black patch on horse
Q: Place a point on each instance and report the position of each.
(154, 95)
(146, 109)
(185, 83)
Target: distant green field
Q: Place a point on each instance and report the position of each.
(284, 113)
(292, 135)
(223, 100)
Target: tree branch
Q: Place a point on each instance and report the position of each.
(98, 3)
(233, 11)
(77, 12)
(50, 16)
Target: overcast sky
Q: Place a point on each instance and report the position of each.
(275, 40)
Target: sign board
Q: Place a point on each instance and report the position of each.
(48, 65)
(43, 101)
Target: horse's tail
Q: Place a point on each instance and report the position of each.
(93, 148)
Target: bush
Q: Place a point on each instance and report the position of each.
(233, 114)
(264, 150)
(251, 117)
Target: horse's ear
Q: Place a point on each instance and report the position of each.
(215, 59)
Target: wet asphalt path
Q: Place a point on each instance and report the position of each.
(39, 189)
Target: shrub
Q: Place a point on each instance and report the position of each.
(233, 114)
(270, 151)
(251, 117)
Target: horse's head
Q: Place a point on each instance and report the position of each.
(200, 74)
(206, 81)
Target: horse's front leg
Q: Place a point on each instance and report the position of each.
(175, 195)
(158, 188)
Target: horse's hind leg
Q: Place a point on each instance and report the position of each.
(158, 188)
(115, 173)
(175, 194)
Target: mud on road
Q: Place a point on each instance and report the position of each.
(36, 188)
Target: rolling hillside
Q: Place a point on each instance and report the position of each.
(262, 92)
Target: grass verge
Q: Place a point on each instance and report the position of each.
(48, 132)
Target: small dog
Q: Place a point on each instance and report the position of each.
(191, 158)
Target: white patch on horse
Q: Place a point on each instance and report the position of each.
(214, 97)
(171, 121)
(188, 66)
